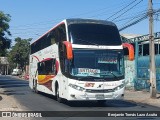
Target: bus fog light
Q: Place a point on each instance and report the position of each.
(73, 95)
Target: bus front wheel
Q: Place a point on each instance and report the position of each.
(59, 99)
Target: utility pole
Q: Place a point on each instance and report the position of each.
(153, 91)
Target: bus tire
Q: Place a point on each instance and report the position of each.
(59, 99)
(35, 86)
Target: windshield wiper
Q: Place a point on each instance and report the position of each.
(113, 74)
(86, 77)
(87, 41)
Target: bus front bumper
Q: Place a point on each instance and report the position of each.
(82, 95)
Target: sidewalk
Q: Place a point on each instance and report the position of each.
(141, 97)
(9, 103)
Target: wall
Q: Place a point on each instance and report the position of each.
(129, 74)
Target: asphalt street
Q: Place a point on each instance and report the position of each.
(31, 101)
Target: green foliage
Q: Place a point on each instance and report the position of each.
(4, 30)
(19, 53)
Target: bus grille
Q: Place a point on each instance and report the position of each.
(99, 91)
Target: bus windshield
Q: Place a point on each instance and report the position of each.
(94, 34)
(97, 63)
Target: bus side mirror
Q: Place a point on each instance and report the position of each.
(69, 52)
(130, 49)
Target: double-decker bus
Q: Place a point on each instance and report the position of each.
(79, 59)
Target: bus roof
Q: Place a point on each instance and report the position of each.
(78, 20)
(93, 21)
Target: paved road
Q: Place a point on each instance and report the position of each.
(41, 102)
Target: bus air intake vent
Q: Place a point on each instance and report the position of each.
(99, 91)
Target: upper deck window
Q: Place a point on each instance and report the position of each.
(56, 35)
(90, 34)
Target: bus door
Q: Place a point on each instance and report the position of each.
(47, 70)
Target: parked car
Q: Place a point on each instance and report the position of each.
(17, 72)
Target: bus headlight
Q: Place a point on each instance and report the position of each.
(76, 87)
(119, 87)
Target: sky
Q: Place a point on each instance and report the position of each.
(32, 18)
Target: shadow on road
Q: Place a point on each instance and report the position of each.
(6, 82)
(12, 83)
(108, 103)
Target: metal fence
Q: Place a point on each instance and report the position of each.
(138, 71)
(142, 80)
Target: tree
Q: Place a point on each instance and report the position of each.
(19, 54)
(4, 32)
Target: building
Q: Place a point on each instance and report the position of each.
(4, 66)
(138, 71)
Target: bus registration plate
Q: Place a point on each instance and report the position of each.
(99, 96)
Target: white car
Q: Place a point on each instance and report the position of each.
(17, 72)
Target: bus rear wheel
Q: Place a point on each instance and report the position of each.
(35, 86)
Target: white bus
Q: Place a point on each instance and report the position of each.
(79, 59)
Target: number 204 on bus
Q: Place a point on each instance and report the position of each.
(79, 60)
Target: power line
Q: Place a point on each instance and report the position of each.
(134, 22)
(121, 9)
(127, 10)
(57, 20)
(139, 19)
(32, 27)
(132, 17)
(108, 11)
(47, 22)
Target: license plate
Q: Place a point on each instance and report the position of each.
(109, 96)
(100, 96)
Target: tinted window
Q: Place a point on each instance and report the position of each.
(56, 35)
(98, 63)
(144, 49)
(46, 67)
(94, 34)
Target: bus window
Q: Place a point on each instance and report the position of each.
(56, 35)
(94, 34)
(47, 67)
(41, 68)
